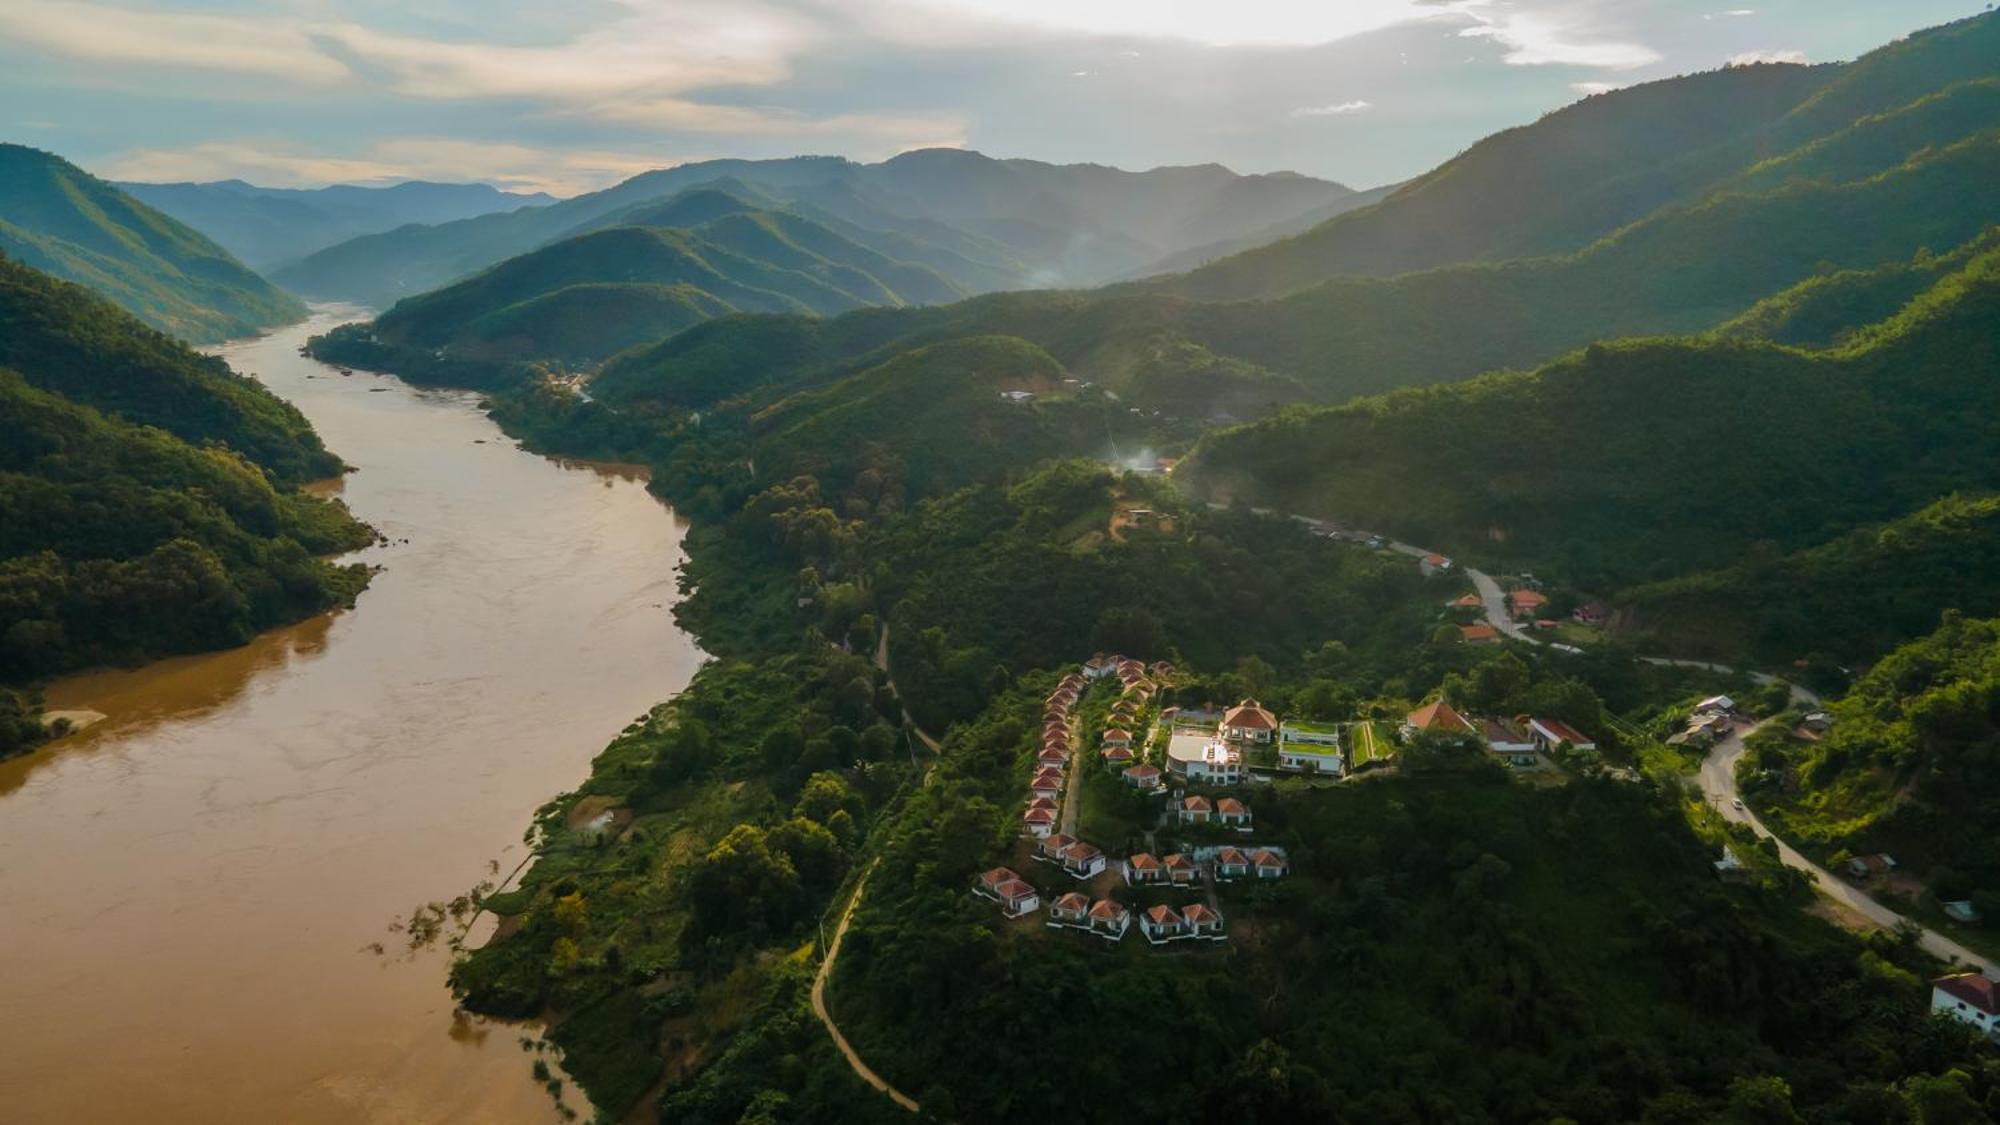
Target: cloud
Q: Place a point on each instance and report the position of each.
(1265, 23)
(1752, 58)
(1535, 39)
(1338, 109)
(511, 166)
(105, 33)
(1589, 88)
(1733, 13)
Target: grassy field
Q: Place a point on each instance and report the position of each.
(1370, 742)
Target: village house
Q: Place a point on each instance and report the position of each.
(1196, 810)
(1181, 870)
(1038, 823)
(1161, 924)
(1593, 614)
(1433, 564)
(1083, 861)
(1551, 733)
(1051, 757)
(1117, 757)
(1046, 785)
(1436, 716)
(1144, 868)
(1161, 670)
(1118, 736)
(1506, 740)
(1052, 848)
(1143, 777)
(1201, 921)
(1969, 997)
(1015, 896)
(1248, 721)
(1721, 704)
(1479, 633)
(1109, 918)
(1526, 603)
(1100, 666)
(1072, 909)
(1465, 601)
(1231, 863)
(1270, 864)
(1231, 811)
(1042, 803)
(1309, 747)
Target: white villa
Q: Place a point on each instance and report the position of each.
(1200, 757)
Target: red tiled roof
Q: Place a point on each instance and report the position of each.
(1197, 804)
(1563, 732)
(1196, 914)
(1438, 716)
(1013, 889)
(1144, 861)
(1075, 902)
(1081, 852)
(1973, 988)
(1527, 599)
(1164, 915)
(1179, 862)
(1231, 857)
(1042, 803)
(1117, 734)
(1039, 816)
(1433, 558)
(1107, 910)
(1248, 714)
(1479, 632)
(1230, 806)
(1054, 845)
(997, 876)
(1467, 601)
(1265, 857)
(1143, 770)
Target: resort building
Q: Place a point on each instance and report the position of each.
(1309, 747)
(1203, 758)
(1249, 722)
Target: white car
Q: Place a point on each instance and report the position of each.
(1736, 803)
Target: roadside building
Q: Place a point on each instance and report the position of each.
(1969, 997)
(1507, 740)
(1526, 603)
(1479, 633)
(1431, 564)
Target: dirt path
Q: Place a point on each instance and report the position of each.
(882, 662)
(862, 1069)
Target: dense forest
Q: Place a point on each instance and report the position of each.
(149, 499)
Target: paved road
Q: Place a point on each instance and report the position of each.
(867, 1073)
(1718, 783)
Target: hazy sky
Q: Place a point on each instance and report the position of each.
(575, 95)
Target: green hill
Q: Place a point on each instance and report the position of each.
(1584, 171)
(590, 296)
(121, 538)
(62, 338)
(60, 219)
(1906, 767)
(1851, 599)
(1648, 458)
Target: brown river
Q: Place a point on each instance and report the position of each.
(189, 888)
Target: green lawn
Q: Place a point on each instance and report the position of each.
(1370, 742)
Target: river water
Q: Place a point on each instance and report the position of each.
(189, 889)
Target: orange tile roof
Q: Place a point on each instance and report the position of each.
(1438, 715)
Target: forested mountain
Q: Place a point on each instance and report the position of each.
(635, 277)
(1023, 221)
(1578, 465)
(60, 219)
(268, 227)
(1586, 170)
(148, 495)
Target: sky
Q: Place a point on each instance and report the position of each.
(573, 96)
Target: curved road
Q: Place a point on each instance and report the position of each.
(1718, 782)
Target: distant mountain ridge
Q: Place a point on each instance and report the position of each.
(270, 227)
(62, 220)
(1027, 222)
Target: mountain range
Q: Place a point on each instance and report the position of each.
(60, 219)
(269, 227)
(1023, 222)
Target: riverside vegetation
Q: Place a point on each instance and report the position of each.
(151, 497)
